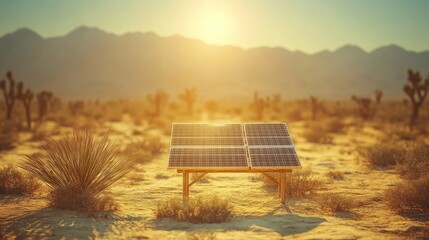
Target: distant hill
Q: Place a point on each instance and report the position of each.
(91, 63)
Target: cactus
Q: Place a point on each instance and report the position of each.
(189, 97)
(417, 91)
(259, 105)
(316, 107)
(26, 98)
(158, 100)
(366, 109)
(9, 94)
(43, 99)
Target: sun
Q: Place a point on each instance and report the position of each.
(211, 23)
(214, 27)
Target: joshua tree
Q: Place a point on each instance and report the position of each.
(365, 108)
(158, 100)
(189, 97)
(417, 91)
(259, 105)
(75, 107)
(316, 106)
(43, 99)
(26, 98)
(9, 94)
(275, 102)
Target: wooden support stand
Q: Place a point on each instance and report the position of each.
(280, 181)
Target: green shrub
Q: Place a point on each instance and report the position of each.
(195, 210)
(410, 195)
(79, 168)
(13, 181)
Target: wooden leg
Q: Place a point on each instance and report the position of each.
(282, 187)
(279, 184)
(185, 184)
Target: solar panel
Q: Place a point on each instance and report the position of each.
(266, 129)
(207, 130)
(272, 160)
(268, 141)
(208, 161)
(207, 141)
(254, 145)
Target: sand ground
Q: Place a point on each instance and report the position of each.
(258, 212)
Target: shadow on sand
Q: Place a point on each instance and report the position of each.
(56, 224)
(285, 224)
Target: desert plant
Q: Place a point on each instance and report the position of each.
(316, 133)
(409, 195)
(8, 135)
(195, 210)
(10, 94)
(75, 107)
(43, 99)
(158, 100)
(146, 149)
(365, 108)
(335, 202)
(335, 175)
(189, 97)
(26, 98)
(415, 163)
(79, 168)
(276, 99)
(316, 107)
(13, 181)
(299, 183)
(383, 154)
(259, 105)
(417, 91)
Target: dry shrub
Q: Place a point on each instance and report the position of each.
(334, 125)
(146, 149)
(299, 183)
(13, 181)
(383, 154)
(316, 133)
(335, 202)
(415, 164)
(79, 168)
(410, 195)
(195, 210)
(161, 176)
(335, 175)
(8, 135)
(76, 198)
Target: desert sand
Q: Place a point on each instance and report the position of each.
(258, 212)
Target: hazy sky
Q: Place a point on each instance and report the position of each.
(307, 25)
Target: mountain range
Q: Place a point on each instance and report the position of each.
(91, 63)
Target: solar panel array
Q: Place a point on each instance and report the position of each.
(253, 145)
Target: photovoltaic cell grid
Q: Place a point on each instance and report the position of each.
(208, 146)
(270, 145)
(225, 146)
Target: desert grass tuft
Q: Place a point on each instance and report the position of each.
(195, 210)
(335, 202)
(146, 149)
(409, 195)
(382, 154)
(335, 175)
(415, 163)
(299, 183)
(79, 168)
(13, 181)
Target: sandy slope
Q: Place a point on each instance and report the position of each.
(259, 214)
